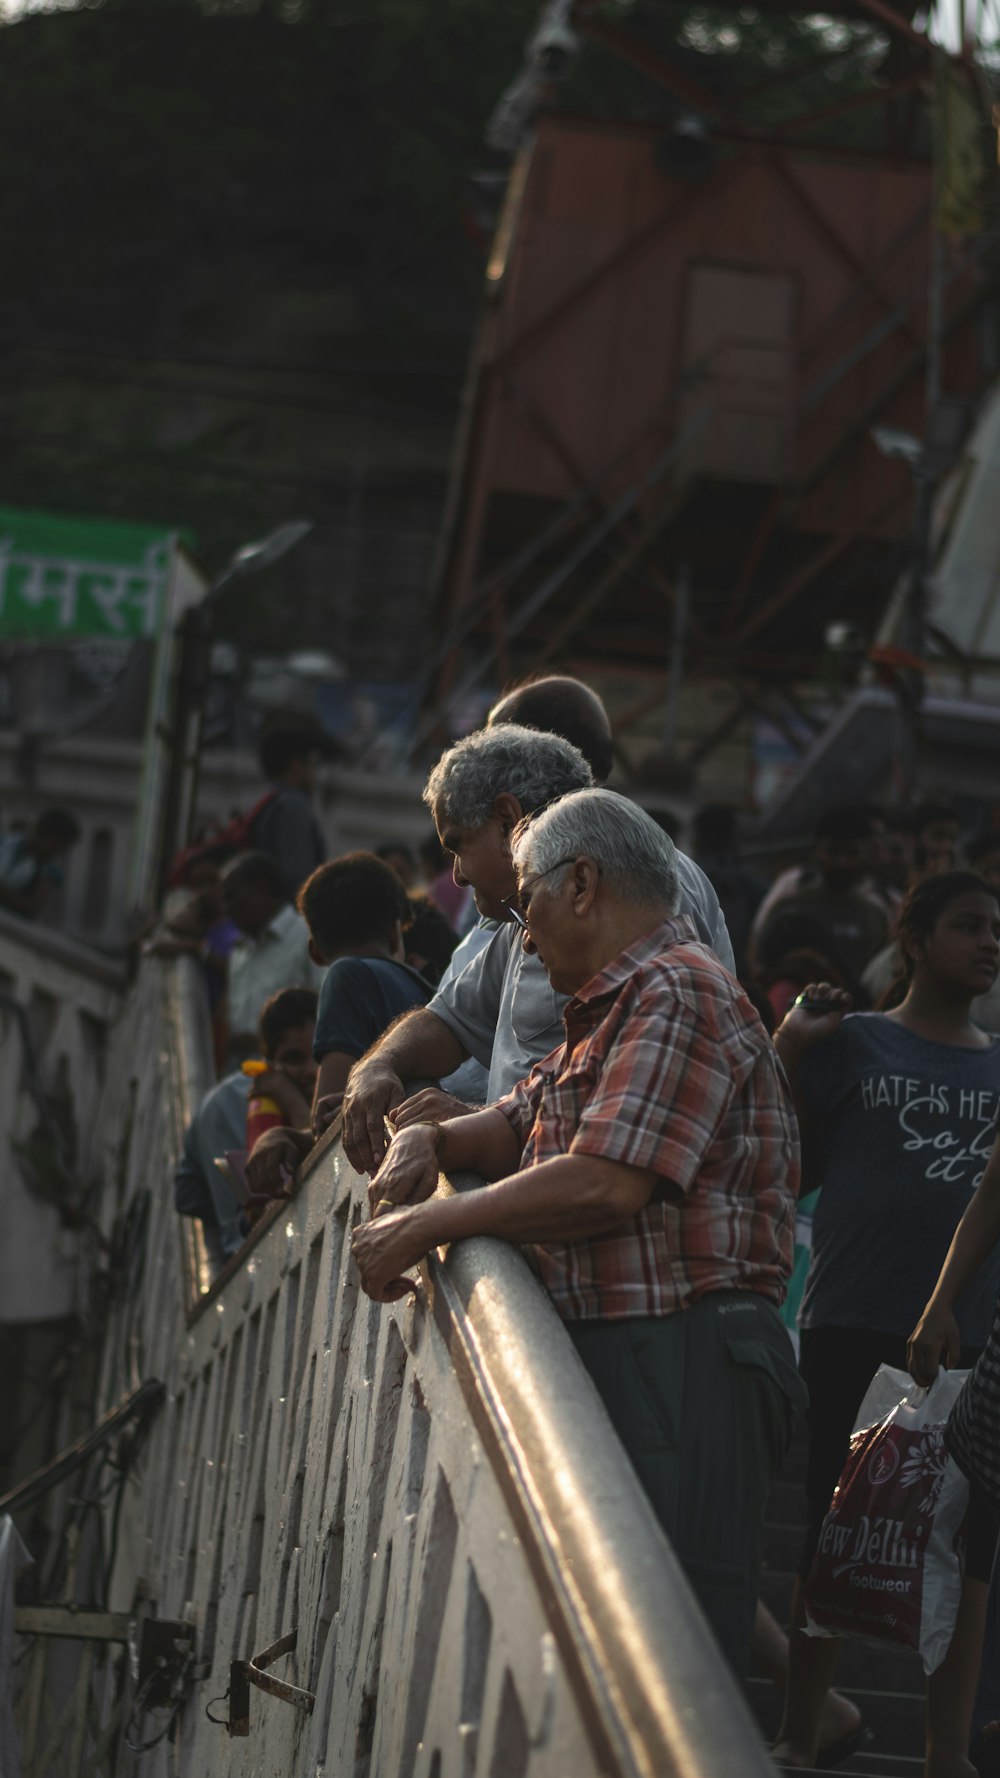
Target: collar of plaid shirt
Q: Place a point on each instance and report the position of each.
(667, 1068)
(680, 929)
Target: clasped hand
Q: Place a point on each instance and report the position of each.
(394, 1239)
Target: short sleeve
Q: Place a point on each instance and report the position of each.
(347, 1022)
(520, 1105)
(470, 1005)
(660, 1097)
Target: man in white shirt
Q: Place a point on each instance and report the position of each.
(273, 952)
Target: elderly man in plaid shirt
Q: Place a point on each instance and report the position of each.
(652, 1161)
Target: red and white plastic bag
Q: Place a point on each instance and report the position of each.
(891, 1551)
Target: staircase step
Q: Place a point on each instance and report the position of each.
(895, 1718)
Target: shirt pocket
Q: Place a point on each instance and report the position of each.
(535, 1009)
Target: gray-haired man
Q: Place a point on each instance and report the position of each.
(502, 1009)
(651, 1159)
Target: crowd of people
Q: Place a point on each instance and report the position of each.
(654, 1062)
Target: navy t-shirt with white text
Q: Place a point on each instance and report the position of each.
(905, 1129)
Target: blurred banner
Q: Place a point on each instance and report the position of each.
(63, 579)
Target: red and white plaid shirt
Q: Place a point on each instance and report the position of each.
(667, 1067)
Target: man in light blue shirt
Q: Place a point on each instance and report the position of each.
(501, 1009)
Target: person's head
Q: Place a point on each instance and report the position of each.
(482, 787)
(841, 847)
(594, 873)
(289, 755)
(354, 906)
(252, 891)
(428, 937)
(936, 828)
(949, 934)
(54, 834)
(287, 1026)
(983, 854)
(400, 859)
(559, 705)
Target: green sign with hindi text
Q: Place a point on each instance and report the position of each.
(65, 579)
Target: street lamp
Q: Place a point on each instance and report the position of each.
(181, 794)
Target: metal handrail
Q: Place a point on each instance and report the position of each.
(652, 1686)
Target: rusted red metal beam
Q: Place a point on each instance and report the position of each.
(790, 76)
(650, 62)
(861, 426)
(590, 601)
(824, 558)
(751, 561)
(637, 244)
(896, 21)
(739, 136)
(852, 102)
(835, 241)
(547, 430)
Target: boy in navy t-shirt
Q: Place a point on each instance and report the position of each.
(356, 910)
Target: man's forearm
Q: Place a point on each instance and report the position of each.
(485, 1142)
(568, 1198)
(417, 1046)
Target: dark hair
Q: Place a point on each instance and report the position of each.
(429, 936)
(256, 867)
(845, 822)
(281, 747)
(286, 1011)
(927, 900)
(352, 901)
(59, 825)
(559, 705)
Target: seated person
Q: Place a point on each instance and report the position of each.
(273, 952)
(652, 1161)
(221, 1126)
(31, 863)
(356, 909)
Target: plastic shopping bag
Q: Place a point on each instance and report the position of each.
(889, 1562)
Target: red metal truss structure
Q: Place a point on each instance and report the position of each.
(675, 382)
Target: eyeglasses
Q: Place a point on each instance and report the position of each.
(513, 902)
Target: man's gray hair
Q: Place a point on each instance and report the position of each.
(534, 767)
(635, 857)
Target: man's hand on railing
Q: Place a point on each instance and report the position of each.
(271, 1167)
(371, 1091)
(409, 1173)
(430, 1106)
(383, 1248)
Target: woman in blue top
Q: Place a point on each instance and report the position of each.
(899, 1110)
